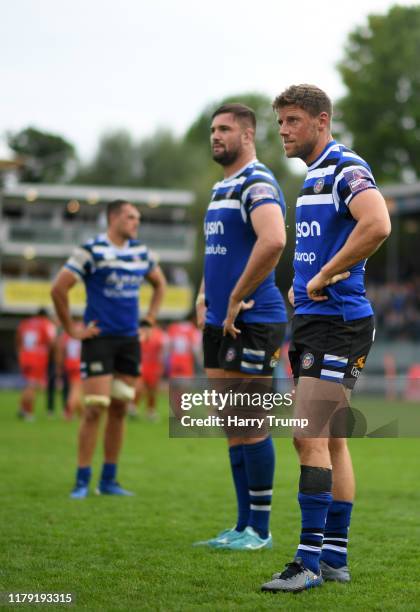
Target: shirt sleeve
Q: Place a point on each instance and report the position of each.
(259, 191)
(352, 177)
(80, 262)
(152, 260)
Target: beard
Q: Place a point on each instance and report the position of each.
(304, 150)
(224, 157)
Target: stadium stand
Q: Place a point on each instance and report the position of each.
(40, 224)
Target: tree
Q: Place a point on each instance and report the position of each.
(159, 161)
(116, 162)
(45, 156)
(381, 110)
(168, 162)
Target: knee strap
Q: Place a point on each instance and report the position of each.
(97, 400)
(120, 390)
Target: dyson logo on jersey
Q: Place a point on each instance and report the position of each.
(215, 249)
(120, 281)
(213, 227)
(305, 229)
(305, 257)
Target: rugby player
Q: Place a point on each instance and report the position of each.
(34, 341)
(67, 355)
(112, 267)
(184, 347)
(153, 348)
(241, 306)
(341, 219)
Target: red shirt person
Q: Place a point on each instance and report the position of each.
(153, 344)
(184, 344)
(68, 364)
(35, 338)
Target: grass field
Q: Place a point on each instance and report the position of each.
(136, 554)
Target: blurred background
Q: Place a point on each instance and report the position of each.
(118, 105)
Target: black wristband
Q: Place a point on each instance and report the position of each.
(145, 323)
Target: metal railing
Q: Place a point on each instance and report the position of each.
(158, 237)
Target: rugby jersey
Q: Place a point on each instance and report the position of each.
(112, 276)
(229, 240)
(323, 224)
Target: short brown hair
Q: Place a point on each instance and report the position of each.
(310, 98)
(114, 207)
(243, 114)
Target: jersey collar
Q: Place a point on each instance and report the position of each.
(116, 246)
(238, 172)
(322, 155)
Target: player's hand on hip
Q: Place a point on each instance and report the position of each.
(316, 285)
(84, 332)
(234, 308)
(291, 296)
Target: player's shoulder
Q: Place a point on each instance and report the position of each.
(134, 243)
(138, 250)
(345, 157)
(97, 240)
(258, 172)
(260, 185)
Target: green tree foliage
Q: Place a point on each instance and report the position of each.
(160, 161)
(168, 162)
(381, 110)
(116, 162)
(45, 156)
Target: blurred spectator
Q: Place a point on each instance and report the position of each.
(397, 309)
(67, 356)
(34, 341)
(153, 345)
(184, 348)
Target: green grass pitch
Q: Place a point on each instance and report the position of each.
(136, 554)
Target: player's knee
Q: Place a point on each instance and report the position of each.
(95, 403)
(118, 409)
(337, 445)
(92, 413)
(298, 443)
(120, 390)
(310, 447)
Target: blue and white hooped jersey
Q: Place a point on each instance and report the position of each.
(230, 238)
(112, 276)
(323, 224)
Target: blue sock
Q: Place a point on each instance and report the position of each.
(314, 509)
(334, 547)
(83, 475)
(259, 463)
(237, 463)
(109, 471)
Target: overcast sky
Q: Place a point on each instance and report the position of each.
(81, 67)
